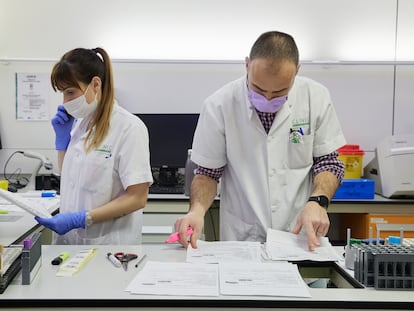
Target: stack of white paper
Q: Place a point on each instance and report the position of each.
(226, 268)
(215, 252)
(281, 245)
(262, 279)
(177, 279)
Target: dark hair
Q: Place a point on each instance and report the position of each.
(81, 65)
(77, 65)
(275, 45)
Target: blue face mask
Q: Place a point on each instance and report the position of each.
(262, 104)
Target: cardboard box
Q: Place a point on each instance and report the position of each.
(360, 224)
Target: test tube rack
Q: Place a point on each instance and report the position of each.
(31, 258)
(385, 266)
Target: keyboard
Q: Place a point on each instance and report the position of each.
(34, 206)
(155, 189)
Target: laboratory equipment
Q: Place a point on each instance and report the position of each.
(43, 161)
(388, 267)
(352, 157)
(31, 258)
(392, 168)
(355, 189)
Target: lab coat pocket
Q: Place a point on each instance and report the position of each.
(300, 153)
(98, 174)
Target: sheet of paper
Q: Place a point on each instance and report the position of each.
(262, 279)
(177, 279)
(214, 252)
(50, 204)
(282, 245)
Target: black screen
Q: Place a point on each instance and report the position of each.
(170, 136)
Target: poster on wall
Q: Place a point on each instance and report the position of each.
(32, 90)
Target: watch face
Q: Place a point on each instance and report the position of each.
(323, 201)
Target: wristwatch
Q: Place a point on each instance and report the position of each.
(321, 199)
(88, 220)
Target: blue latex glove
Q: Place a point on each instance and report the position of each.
(62, 223)
(62, 123)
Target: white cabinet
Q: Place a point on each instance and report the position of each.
(161, 213)
(159, 218)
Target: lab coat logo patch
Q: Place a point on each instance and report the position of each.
(298, 122)
(105, 150)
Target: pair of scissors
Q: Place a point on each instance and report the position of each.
(125, 258)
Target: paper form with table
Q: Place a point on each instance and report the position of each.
(281, 245)
(261, 279)
(176, 278)
(31, 202)
(235, 268)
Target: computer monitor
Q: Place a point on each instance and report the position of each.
(170, 137)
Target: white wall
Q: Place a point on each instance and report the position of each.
(197, 29)
(169, 55)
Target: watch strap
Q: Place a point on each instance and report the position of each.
(88, 220)
(322, 200)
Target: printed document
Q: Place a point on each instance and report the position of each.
(32, 92)
(214, 252)
(282, 245)
(31, 202)
(220, 268)
(262, 279)
(177, 279)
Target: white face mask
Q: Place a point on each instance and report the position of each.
(79, 107)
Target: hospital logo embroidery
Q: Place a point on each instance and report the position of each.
(300, 122)
(105, 150)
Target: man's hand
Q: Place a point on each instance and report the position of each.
(316, 222)
(194, 220)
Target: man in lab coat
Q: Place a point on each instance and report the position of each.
(271, 136)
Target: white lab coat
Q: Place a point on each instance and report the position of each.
(267, 178)
(93, 179)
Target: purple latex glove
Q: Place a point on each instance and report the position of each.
(62, 123)
(64, 222)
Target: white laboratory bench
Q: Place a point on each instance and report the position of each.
(100, 285)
